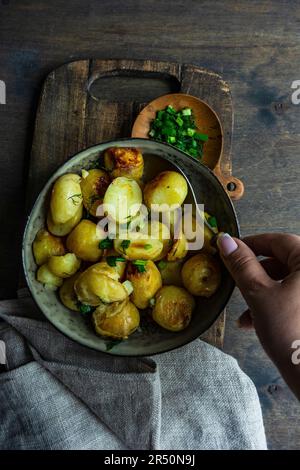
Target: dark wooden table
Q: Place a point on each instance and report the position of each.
(255, 46)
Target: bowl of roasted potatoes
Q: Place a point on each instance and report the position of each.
(119, 251)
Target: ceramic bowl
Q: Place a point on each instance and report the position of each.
(150, 338)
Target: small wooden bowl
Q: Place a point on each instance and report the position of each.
(207, 122)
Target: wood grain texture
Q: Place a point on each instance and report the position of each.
(253, 44)
(69, 118)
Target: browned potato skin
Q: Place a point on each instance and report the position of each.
(84, 240)
(124, 161)
(145, 284)
(171, 273)
(168, 187)
(62, 230)
(201, 275)
(67, 293)
(178, 250)
(118, 326)
(46, 245)
(173, 308)
(93, 188)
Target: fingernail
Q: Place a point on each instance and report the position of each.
(226, 244)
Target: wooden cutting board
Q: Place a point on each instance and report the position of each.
(89, 101)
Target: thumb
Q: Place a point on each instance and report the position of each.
(243, 266)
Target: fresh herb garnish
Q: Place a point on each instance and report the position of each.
(162, 264)
(112, 344)
(112, 260)
(212, 221)
(140, 265)
(125, 244)
(106, 244)
(178, 128)
(76, 198)
(84, 308)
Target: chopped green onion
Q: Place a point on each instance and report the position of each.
(140, 265)
(212, 221)
(84, 308)
(162, 264)
(111, 344)
(152, 302)
(105, 244)
(125, 244)
(112, 260)
(186, 112)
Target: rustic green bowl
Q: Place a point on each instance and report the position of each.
(150, 338)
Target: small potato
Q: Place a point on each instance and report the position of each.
(64, 266)
(93, 186)
(120, 325)
(173, 308)
(201, 275)
(84, 240)
(66, 198)
(64, 229)
(145, 284)
(93, 288)
(179, 249)
(46, 245)
(139, 248)
(67, 293)
(168, 188)
(122, 199)
(200, 230)
(171, 272)
(127, 162)
(46, 277)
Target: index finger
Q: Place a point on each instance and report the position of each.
(285, 247)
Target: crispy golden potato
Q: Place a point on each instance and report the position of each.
(64, 266)
(201, 275)
(84, 241)
(67, 293)
(94, 287)
(171, 272)
(169, 188)
(123, 199)
(46, 245)
(127, 162)
(64, 229)
(120, 325)
(103, 268)
(94, 184)
(178, 250)
(46, 277)
(120, 265)
(145, 284)
(66, 198)
(139, 248)
(173, 308)
(112, 309)
(200, 230)
(158, 230)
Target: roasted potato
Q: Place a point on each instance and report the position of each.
(84, 241)
(139, 247)
(94, 184)
(67, 293)
(171, 272)
(122, 199)
(113, 308)
(64, 266)
(120, 325)
(168, 188)
(64, 229)
(198, 230)
(160, 231)
(145, 284)
(46, 245)
(46, 277)
(179, 249)
(201, 275)
(127, 162)
(173, 308)
(93, 288)
(66, 198)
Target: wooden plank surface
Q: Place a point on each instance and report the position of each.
(72, 116)
(253, 44)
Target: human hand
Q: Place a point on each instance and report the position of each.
(274, 307)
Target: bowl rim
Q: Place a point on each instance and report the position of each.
(112, 143)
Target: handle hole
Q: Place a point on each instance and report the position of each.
(231, 186)
(128, 86)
